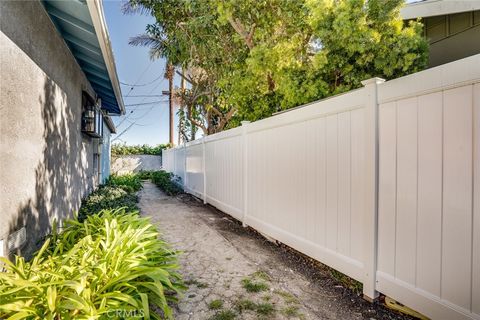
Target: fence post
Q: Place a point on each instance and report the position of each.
(204, 173)
(185, 166)
(245, 171)
(371, 188)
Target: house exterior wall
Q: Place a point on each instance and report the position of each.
(452, 37)
(46, 163)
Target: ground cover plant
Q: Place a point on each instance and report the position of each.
(129, 182)
(108, 197)
(166, 182)
(112, 265)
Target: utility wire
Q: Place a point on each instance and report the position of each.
(138, 79)
(145, 95)
(141, 85)
(144, 103)
(137, 104)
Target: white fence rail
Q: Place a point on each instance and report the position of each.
(381, 183)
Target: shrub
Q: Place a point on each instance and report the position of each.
(129, 182)
(112, 261)
(122, 149)
(108, 197)
(145, 174)
(165, 181)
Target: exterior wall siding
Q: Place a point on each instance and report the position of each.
(46, 164)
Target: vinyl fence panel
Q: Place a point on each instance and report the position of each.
(381, 183)
(428, 226)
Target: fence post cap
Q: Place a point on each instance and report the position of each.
(374, 80)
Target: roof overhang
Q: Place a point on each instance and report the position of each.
(82, 25)
(110, 124)
(430, 8)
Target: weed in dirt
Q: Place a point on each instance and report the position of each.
(287, 296)
(224, 315)
(261, 275)
(245, 304)
(265, 309)
(291, 311)
(267, 297)
(215, 304)
(254, 286)
(196, 283)
(346, 281)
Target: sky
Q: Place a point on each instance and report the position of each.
(146, 123)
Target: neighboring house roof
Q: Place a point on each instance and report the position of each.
(430, 8)
(82, 25)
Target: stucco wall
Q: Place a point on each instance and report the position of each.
(134, 163)
(46, 164)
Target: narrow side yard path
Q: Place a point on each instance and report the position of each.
(233, 273)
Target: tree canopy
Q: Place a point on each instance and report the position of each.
(249, 59)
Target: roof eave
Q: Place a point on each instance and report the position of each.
(96, 12)
(110, 124)
(431, 8)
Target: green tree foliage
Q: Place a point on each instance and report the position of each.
(248, 59)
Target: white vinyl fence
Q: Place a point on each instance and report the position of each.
(381, 183)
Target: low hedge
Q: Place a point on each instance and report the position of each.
(121, 149)
(108, 197)
(166, 182)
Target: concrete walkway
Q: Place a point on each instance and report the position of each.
(233, 273)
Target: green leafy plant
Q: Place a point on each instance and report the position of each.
(108, 197)
(166, 181)
(122, 149)
(129, 182)
(112, 262)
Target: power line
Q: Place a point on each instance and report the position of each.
(140, 77)
(145, 95)
(137, 104)
(141, 85)
(144, 103)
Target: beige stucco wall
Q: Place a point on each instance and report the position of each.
(46, 164)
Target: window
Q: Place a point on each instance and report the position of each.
(92, 118)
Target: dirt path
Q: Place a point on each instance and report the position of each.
(233, 273)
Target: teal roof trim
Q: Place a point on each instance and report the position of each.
(74, 22)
